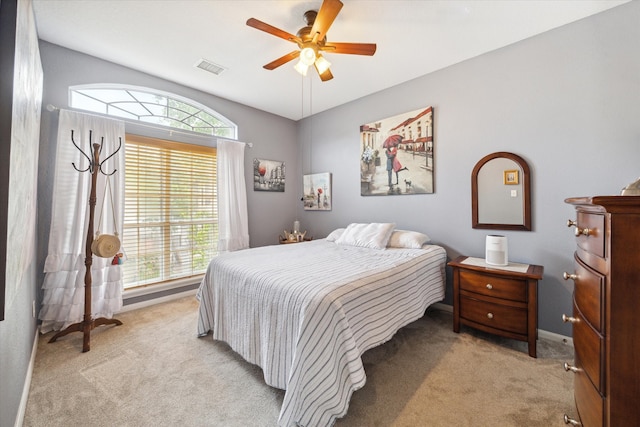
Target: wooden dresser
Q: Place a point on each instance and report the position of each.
(606, 311)
(496, 300)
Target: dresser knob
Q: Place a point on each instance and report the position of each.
(490, 315)
(571, 368)
(578, 231)
(569, 319)
(489, 286)
(567, 276)
(569, 420)
(582, 231)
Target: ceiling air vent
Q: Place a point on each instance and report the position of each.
(210, 67)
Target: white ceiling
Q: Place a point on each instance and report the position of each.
(166, 38)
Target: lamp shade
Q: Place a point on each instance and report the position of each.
(307, 56)
(322, 64)
(301, 67)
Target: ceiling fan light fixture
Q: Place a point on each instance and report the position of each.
(301, 67)
(308, 56)
(322, 64)
(311, 40)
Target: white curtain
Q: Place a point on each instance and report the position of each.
(63, 301)
(233, 220)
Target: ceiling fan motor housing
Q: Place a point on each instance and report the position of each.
(304, 33)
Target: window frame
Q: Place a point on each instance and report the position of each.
(128, 89)
(166, 223)
(161, 132)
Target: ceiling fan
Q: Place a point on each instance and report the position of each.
(312, 40)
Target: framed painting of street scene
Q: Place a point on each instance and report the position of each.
(317, 191)
(268, 175)
(396, 155)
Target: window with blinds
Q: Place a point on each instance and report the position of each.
(171, 213)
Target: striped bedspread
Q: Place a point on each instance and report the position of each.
(305, 313)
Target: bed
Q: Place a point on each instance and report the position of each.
(306, 312)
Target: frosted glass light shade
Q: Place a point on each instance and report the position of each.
(322, 64)
(301, 67)
(307, 56)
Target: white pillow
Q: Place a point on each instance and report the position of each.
(407, 239)
(335, 234)
(374, 235)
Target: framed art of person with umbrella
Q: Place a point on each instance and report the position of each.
(397, 155)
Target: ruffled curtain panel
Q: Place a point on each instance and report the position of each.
(233, 220)
(63, 301)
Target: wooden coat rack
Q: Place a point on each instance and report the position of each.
(88, 323)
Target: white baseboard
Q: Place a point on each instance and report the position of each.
(27, 382)
(552, 336)
(154, 301)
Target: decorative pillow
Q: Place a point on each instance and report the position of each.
(407, 239)
(335, 234)
(374, 235)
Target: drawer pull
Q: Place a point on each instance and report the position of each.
(571, 368)
(582, 231)
(567, 276)
(578, 231)
(490, 315)
(489, 286)
(569, 420)
(569, 319)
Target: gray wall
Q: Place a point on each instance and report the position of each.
(567, 101)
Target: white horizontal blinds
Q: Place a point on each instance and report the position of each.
(171, 211)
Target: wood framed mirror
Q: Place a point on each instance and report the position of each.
(501, 192)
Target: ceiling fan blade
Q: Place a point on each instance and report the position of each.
(282, 60)
(263, 26)
(326, 75)
(350, 48)
(326, 15)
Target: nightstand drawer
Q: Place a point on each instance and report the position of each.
(497, 316)
(494, 286)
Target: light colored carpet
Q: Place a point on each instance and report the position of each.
(154, 371)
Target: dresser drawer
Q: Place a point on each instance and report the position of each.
(594, 242)
(589, 347)
(497, 316)
(589, 402)
(494, 286)
(589, 294)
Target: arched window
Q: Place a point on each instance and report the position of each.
(151, 106)
(170, 214)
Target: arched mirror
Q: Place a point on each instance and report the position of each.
(501, 193)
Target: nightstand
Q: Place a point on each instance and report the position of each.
(498, 300)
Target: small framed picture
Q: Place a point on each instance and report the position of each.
(268, 175)
(317, 191)
(511, 177)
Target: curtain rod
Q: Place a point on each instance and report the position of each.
(171, 131)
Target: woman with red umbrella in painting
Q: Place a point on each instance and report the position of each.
(391, 150)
